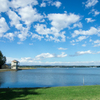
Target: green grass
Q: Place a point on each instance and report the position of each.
(53, 93)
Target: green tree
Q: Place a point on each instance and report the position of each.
(2, 59)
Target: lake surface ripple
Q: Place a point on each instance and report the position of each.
(50, 77)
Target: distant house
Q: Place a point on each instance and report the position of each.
(14, 64)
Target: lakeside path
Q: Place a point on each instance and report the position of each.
(52, 93)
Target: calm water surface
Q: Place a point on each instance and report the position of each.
(50, 77)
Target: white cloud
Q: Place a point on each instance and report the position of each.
(82, 53)
(51, 38)
(10, 36)
(4, 5)
(10, 59)
(94, 12)
(23, 34)
(27, 14)
(80, 38)
(15, 19)
(89, 20)
(37, 36)
(98, 52)
(48, 55)
(3, 26)
(20, 42)
(79, 24)
(30, 43)
(56, 3)
(83, 45)
(91, 31)
(97, 43)
(48, 32)
(43, 4)
(42, 29)
(44, 55)
(61, 21)
(62, 55)
(62, 48)
(73, 44)
(90, 40)
(72, 41)
(23, 3)
(90, 3)
(31, 61)
(26, 59)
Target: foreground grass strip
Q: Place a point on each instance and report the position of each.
(53, 93)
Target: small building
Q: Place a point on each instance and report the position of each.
(14, 64)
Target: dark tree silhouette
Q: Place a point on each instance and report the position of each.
(2, 59)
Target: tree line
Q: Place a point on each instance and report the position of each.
(2, 59)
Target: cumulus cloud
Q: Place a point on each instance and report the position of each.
(27, 14)
(50, 33)
(23, 3)
(45, 55)
(15, 19)
(90, 3)
(91, 31)
(42, 29)
(83, 45)
(9, 36)
(57, 4)
(62, 55)
(39, 37)
(48, 55)
(80, 38)
(89, 20)
(79, 24)
(81, 53)
(61, 21)
(23, 34)
(94, 12)
(3, 26)
(43, 4)
(97, 43)
(4, 5)
(62, 48)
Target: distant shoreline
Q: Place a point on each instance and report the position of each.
(35, 67)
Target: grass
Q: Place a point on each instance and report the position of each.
(53, 93)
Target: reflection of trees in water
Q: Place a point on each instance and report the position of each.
(2, 78)
(13, 77)
(9, 77)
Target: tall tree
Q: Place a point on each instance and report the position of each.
(2, 59)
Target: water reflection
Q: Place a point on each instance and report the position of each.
(48, 77)
(14, 77)
(1, 78)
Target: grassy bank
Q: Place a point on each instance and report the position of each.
(20, 68)
(4, 70)
(54, 93)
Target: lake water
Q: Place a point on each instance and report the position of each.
(50, 77)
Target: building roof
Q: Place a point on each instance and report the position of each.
(15, 61)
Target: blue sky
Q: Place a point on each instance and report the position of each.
(50, 32)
